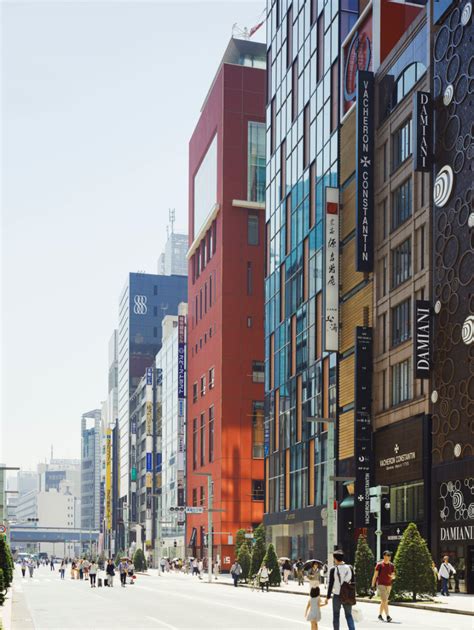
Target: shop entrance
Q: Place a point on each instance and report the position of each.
(470, 570)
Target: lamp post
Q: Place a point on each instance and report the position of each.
(331, 465)
(209, 522)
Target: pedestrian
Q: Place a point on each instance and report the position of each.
(383, 577)
(216, 569)
(73, 570)
(236, 571)
(123, 567)
(131, 571)
(436, 576)
(23, 567)
(194, 565)
(31, 567)
(81, 569)
(340, 574)
(93, 573)
(51, 564)
(313, 608)
(286, 570)
(200, 568)
(85, 568)
(264, 577)
(62, 569)
(163, 564)
(445, 571)
(299, 572)
(110, 571)
(314, 575)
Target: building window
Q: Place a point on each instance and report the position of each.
(258, 492)
(384, 162)
(283, 169)
(401, 322)
(211, 433)
(294, 90)
(401, 145)
(203, 385)
(155, 289)
(202, 496)
(256, 162)
(258, 420)
(406, 503)
(320, 50)
(155, 331)
(211, 378)
(195, 444)
(214, 237)
(384, 213)
(195, 390)
(334, 95)
(383, 377)
(258, 371)
(401, 263)
(249, 279)
(306, 136)
(273, 126)
(252, 229)
(195, 497)
(203, 439)
(401, 204)
(249, 321)
(401, 390)
(289, 37)
(210, 290)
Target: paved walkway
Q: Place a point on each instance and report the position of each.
(458, 603)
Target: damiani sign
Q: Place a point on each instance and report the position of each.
(458, 532)
(422, 341)
(422, 118)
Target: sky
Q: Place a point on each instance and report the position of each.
(98, 103)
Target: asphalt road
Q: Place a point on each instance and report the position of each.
(179, 602)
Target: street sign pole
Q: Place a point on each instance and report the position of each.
(209, 529)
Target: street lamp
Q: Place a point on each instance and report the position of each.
(209, 522)
(331, 520)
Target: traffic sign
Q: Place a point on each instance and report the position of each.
(3, 529)
(194, 510)
(180, 508)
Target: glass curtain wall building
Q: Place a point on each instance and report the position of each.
(303, 39)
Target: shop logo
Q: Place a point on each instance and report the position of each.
(396, 448)
(466, 14)
(443, 186)
(140, 305)
(468, 330)
(358, 58)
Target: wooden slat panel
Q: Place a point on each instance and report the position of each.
(346, 381)
(287, 479)
(352, 315)
(348, 211)
(319, 311)
(267, 483)
(293, 345)
(326, 387)
(277, 420)
(272, 361)
(299, 407)
(348, 145)
(282, 292)
(311, 473)
(305, 269)
(349, 276)
(346, 435)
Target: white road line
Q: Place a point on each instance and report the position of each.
(226, 605)
(164, 624)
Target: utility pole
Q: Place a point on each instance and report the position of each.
(209, 522)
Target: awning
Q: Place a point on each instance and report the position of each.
(347, 502)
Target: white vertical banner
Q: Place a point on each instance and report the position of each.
(331, 270)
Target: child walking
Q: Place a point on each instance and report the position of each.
(313, 608)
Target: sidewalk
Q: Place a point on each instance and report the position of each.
(455, 603)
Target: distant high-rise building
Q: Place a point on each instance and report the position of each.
(90, 470)
(145, 300)
(172, 262)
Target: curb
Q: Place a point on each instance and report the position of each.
(370, 601)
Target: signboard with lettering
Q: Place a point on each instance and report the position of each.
(331, 303)
(422, 132)
(399, 452)
(363, 425)
(108, 479)
(422, 339)
(181, 368)
(149, 418)
(365, 172)
(149, 376)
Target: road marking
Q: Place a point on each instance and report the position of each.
(166, 625)
(247, 610)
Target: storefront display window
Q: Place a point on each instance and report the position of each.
(406, 503)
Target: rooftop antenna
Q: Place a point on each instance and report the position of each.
(172, 218)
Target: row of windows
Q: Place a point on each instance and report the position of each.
(202, 384)
(258, 493)
(400, 384)
(205, 251)
(205, 298)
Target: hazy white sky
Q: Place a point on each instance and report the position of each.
(99, 100)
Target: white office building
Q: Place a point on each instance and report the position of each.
(173, 262)
(171, 364)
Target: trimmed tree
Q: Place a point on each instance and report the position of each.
(2, 588)
(413, 565)
(243, 558)
(273, 567)
(239, 541)
(6, 562)
(258, 550)
(139, 560)
(364, 566)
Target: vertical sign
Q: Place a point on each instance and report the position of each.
(149, 376)
(422, 340)
(181, 407)
(108, 479)
(365, 172)
(362, 425)
(422, 132)
(331, 303)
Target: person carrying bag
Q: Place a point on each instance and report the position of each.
(342, 589)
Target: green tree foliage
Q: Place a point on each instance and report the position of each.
(413, 565)
(2, 588)
(243, 558)
(139, 560)
(6, 562)
(239, 541)
(258, 550)
(273, 567)
(364, 566)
